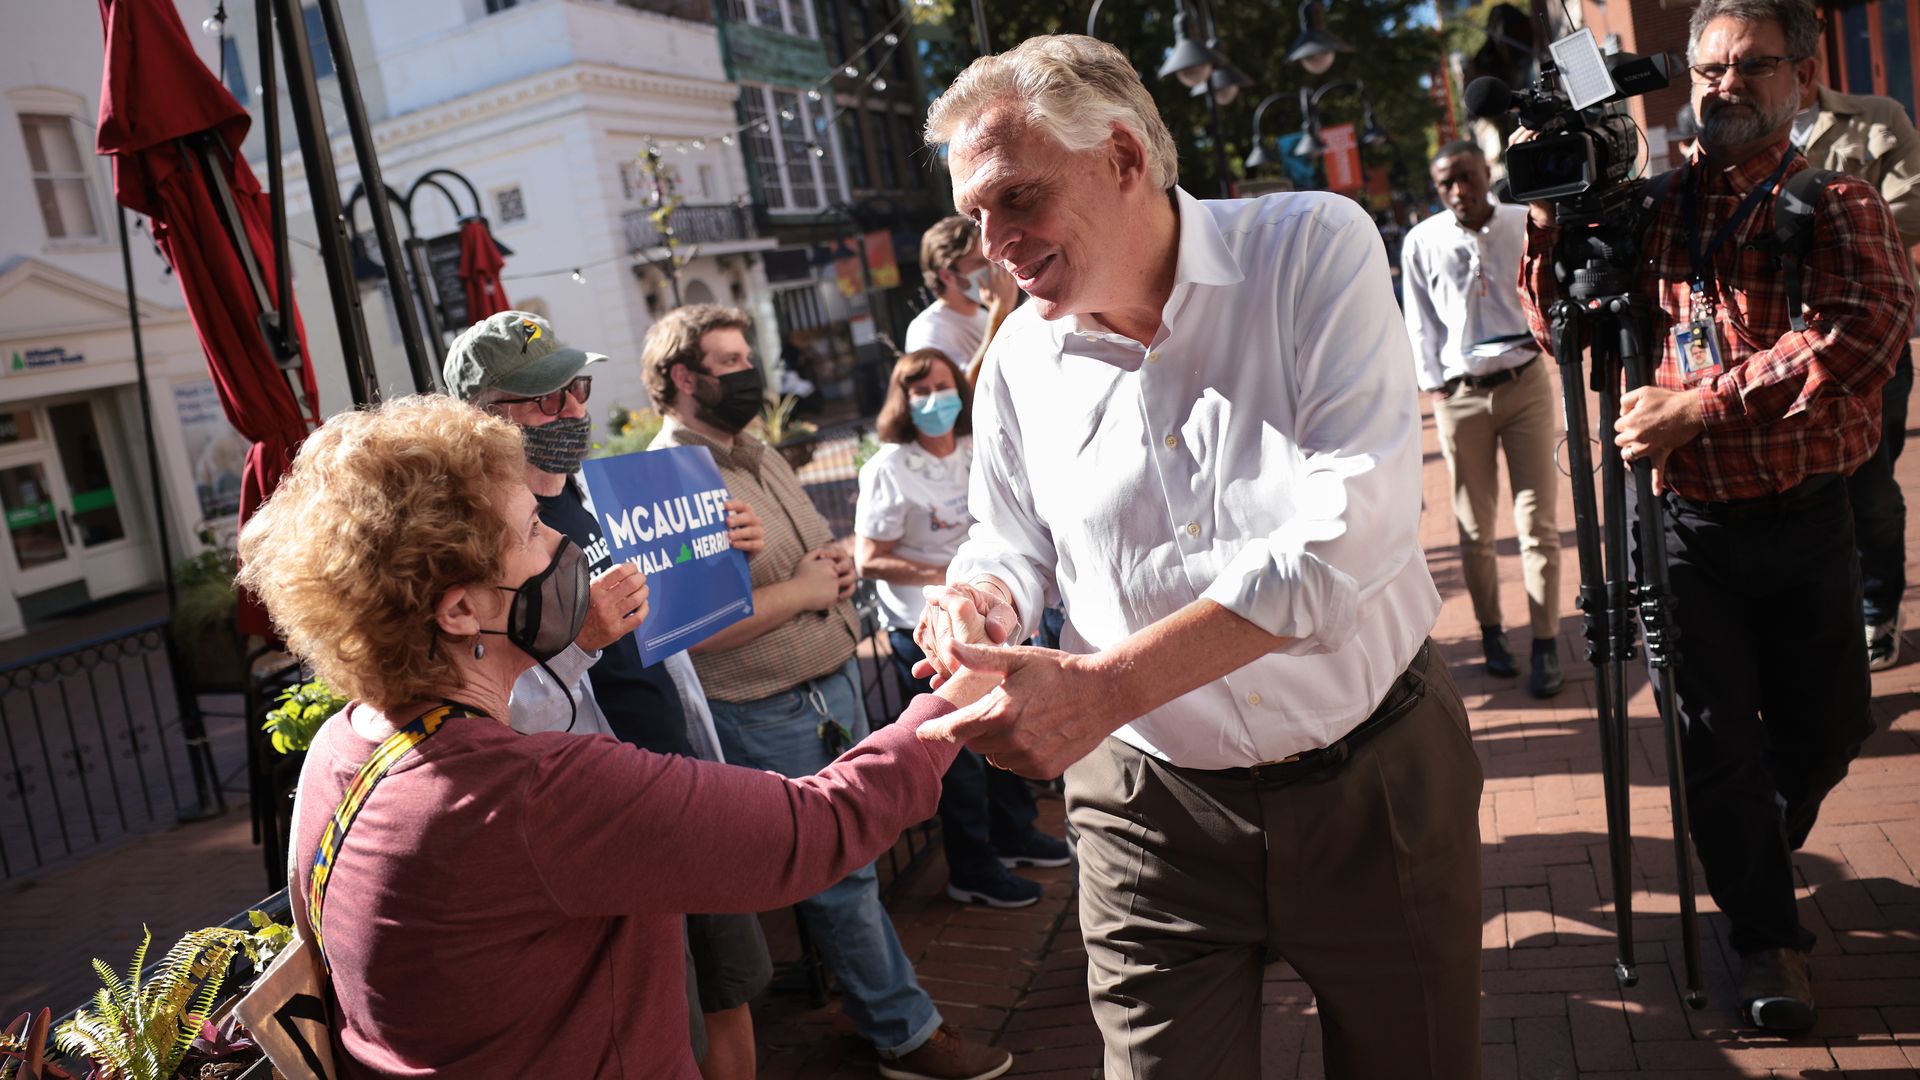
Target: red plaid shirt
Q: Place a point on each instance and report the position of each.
(1784, 405)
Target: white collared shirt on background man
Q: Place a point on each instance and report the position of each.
(941, 327)
(1461, 288)
(919, 501)
(1263, 454)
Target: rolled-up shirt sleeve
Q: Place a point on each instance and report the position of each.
(1008, 540)
(1356, 489)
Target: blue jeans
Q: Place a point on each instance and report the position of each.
(981, 807)
(798, 733)
(1879, 509)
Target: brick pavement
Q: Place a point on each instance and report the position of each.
(1551, 1008)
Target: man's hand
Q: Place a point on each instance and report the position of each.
(845, 576)
(971, 613)
(1049, 710)
(1654, 423)
(744, 529)
(616, 605)
(820, 580)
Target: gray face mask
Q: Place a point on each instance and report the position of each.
(559, 446)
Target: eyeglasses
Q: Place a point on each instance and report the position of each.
(1751, 69)
(550, 404)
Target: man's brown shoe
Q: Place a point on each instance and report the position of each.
(948, 1056)
(1776, 991)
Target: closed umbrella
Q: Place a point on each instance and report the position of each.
(174, 134)
(480, 263)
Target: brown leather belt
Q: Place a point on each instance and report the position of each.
(1406, 692)
(1488, 382)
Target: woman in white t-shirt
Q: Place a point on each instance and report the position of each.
(910, 520)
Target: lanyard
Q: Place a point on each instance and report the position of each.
(396, 746)
(1703, 260)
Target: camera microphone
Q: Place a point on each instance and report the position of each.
(1488, 97)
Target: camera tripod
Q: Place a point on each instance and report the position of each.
(1597, 314)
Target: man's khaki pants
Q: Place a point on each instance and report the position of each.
(1366, 878)
(1522, 419)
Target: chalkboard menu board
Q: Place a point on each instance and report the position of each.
(443, 266)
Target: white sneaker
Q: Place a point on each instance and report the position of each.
(1883, 644)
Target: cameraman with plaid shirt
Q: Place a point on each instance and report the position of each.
(1752, 427)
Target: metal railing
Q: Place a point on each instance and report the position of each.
(691, 225)
(97, 741)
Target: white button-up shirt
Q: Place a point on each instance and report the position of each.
(1462, 295)
(1264, 453)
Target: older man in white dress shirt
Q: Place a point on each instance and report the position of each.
(1203, 432)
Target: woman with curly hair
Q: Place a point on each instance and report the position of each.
(497, 904)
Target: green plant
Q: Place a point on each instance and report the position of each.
(265, 941)
(298, 714)
(139, 1030)
(778, 425)
(629, 431)
(203, 586)
(869, 446)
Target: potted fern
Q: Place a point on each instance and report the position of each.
(203, 626)
(140, 1028)
(795, 439)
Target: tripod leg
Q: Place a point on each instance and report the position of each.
(1600, 653)
(1617, 605)
(1656, 616)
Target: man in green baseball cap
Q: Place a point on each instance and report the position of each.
(513, 365)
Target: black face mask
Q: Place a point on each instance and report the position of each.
(734, 402)
(550, 607)
(558, 446)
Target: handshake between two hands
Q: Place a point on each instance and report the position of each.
(1028, 710)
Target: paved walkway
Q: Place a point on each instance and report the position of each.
(1551, 1008)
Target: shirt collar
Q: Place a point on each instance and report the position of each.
(1201, 258)
(745, 453)
(1745, 176)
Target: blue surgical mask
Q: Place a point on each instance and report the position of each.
(934, 415)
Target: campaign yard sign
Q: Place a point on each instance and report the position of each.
(665, 511)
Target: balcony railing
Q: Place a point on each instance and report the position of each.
(691, 225)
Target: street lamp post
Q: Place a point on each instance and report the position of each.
(1316, 46)
(1203, 67)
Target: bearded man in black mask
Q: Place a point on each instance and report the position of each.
(783, 683)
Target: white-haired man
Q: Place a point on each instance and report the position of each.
(1204, 434)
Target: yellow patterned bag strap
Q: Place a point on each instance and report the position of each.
(397, 746)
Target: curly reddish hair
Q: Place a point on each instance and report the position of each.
(381, 514)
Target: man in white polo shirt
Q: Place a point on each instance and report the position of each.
(1203, 431)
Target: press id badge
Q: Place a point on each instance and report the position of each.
(1697, 343)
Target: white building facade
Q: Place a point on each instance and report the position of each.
(74, 477)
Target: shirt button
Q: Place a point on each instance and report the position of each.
(1173, 441)
(1193, 528)
(1153, 356)
(1253, 699)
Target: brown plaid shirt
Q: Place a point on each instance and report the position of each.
(1784, 405)
(812, 643)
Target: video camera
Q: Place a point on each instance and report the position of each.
(1584, 154)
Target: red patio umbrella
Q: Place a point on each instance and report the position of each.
(480, 263)
(174, 134)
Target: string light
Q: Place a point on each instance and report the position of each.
(818, 150)
(578, 277)
(216, 24)
(850, 69)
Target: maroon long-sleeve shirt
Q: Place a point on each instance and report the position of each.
(510, 905)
